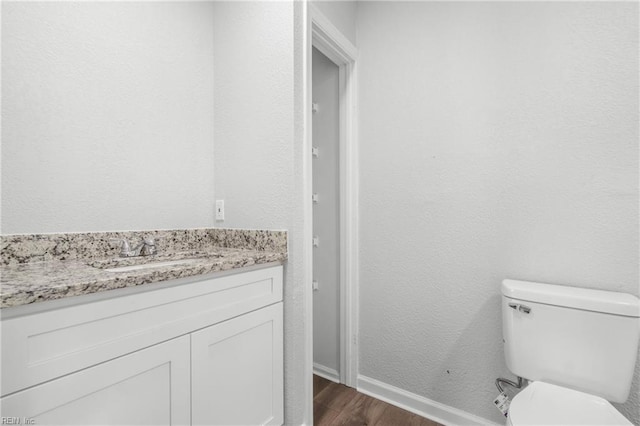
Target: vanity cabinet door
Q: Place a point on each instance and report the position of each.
(147, 387)
(237, 370)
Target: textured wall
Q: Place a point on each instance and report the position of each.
(253, 112)
(107, 116)
(341, 13)
(258, 155)
(496, 140)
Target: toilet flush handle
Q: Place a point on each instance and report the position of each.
(522, 308)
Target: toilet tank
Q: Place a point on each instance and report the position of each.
(579, 338)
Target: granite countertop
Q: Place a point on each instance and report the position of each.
(60, 276)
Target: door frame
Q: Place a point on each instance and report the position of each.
(324, 36)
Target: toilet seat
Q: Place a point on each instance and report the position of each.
(545, 404)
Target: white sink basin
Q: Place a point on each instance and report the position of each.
(150, 265)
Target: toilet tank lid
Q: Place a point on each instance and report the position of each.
(610, 302)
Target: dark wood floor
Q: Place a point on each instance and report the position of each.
(335, 404)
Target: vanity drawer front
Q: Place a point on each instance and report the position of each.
(46, 345)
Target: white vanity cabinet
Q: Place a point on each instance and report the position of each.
(147, 387)
(200, 350)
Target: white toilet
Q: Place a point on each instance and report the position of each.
(578, 347)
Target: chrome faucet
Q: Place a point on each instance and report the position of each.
(146, 248)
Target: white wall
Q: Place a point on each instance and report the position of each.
(107, 116)
(496, 140)
(342, 14)
(253, 107)
(326, 215)
(258, 146)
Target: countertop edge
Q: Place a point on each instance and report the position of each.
(102, 281)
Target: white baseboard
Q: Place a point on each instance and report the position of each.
(417, 404)
(326, 372)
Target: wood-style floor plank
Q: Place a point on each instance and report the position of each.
(336, 396)
(319, 383)
(362, 410)
(323, 415)
(339, 405)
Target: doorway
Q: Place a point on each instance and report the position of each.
(326, 216)
(323, 36)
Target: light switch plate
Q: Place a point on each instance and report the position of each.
(220, 210)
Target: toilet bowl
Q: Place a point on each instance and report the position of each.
(546, 404)
(577, 347)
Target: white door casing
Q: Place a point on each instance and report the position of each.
(323, 35)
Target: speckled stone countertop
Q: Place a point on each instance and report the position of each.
(40, 267)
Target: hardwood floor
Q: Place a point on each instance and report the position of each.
(338, 405)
